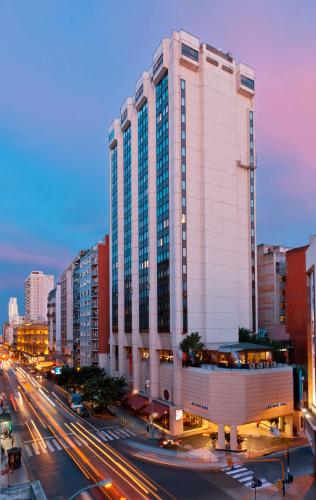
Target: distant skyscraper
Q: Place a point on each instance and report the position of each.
(13, 309)
(37, 287)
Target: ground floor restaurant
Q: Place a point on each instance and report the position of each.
(229, 404)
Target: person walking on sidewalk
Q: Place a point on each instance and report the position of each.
(12, 440)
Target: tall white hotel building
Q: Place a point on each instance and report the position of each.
(183, 247)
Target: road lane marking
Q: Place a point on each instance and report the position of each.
(28, 450)
(35, 448)
(245, 478)
(49, 446)
(128, 432)
(57, 444)
(112, 433)
(233, 471)
(42, 446)
(65, 445)
(78, 442)
(108, 435)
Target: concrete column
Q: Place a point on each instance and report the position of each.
(136, 368)
(221, 437)
(233, 437)
(112, 358)
(154, 372)
(175, 426)
(121, 360)
(288, 425)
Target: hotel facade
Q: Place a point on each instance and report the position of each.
(183, 243)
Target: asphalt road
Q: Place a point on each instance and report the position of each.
(67, 453)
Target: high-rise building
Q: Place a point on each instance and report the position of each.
(54, 321)
(66, 282)
(271, 290)
(13, 311)
(37, 287)
(183, 247)
(91, 320)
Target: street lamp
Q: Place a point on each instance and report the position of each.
(104, 482)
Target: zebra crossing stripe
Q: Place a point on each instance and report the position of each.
(242, 474)
(113, 434)
(65, 445)
(108, 436)
(28, 450)
(233, 471)
(245, 478)
(265, 483)
(129, 433)
(122, 431)
(42, 446)
(35, 448)
(57, 444)
(78, 442)
(49, 445)
(102, 437)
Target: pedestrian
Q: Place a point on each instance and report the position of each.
(12, 441)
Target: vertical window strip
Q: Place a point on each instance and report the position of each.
(114, 240)
(162, 197)
(184, 208)
(143, 254)
(252, 216)
(127, 230)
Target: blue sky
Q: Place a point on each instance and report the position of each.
(66, 67)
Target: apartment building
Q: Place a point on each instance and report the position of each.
(183, 247)
(54, 321)
(271, 290)
(91, 320)
(37, 287)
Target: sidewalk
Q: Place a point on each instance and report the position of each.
(13, 477)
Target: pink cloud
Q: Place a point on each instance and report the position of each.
(10, 253)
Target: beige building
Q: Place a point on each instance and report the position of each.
(271, 290)
(36, 289)
(310, 413)
(183, 242)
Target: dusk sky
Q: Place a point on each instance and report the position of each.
(67, 66)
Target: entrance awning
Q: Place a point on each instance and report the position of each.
(136, 402)
(156, 407)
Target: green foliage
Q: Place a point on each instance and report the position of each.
(74, 378)
(192, 342)
(104, 390)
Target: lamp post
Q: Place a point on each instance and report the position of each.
(104, 482)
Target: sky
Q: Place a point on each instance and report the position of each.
(65, 69)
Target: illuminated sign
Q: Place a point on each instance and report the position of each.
(274, 405)
(179, 414)
(199, 405)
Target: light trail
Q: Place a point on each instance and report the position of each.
(141, 493)
(39, 434)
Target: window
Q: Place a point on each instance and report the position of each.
(247, 82)
(189, 52)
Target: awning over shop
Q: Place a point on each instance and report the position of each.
(155, 407)
(136, 402)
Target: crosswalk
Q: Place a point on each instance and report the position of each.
(52, 445)
(244, 475)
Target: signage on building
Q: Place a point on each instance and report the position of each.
(274, 405)
(179, 414)
(199, 405)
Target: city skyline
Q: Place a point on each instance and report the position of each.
(61, 69)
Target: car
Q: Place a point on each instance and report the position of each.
(169, 444)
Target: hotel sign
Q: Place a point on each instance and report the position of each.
(274, 405)
(200, 405)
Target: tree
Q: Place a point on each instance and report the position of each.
(191, 345)
(103, 391)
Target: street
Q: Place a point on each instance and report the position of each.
(67, 453)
